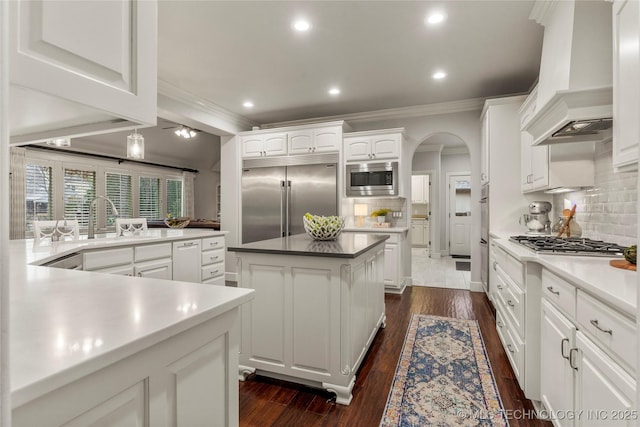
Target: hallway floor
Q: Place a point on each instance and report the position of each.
(438, 272)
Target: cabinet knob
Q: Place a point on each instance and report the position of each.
(309, 148)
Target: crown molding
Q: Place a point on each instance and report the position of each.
(473, 104)
(218, 113)
(425, 148)
(541, 10)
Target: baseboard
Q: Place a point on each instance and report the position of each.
(230, 277)
(476, 287)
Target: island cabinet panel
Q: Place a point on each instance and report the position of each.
(313, 318)
(187, 379)
(186, 260)
(311, 293)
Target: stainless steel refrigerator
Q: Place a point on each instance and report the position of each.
(277, 192)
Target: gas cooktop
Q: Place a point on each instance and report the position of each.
(569, 245)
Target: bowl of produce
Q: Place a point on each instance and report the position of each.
(176, 222)
(322, 227)
(630, 254)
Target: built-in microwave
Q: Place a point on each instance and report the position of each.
(372, 179)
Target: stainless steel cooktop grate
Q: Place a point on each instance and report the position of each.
(569, 246)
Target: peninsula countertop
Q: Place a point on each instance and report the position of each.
(66, 324)
(347, 245)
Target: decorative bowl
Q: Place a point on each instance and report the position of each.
(323, 227)
(177, 222)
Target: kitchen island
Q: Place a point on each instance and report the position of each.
(317, 308)
(92, 348)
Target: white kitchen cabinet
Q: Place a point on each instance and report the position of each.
(419, 232)
(373, 145)
(419, 189)
(212, 261)
(626, 87)
(587, 357)
(264, 144)
(156, 269)
(394, 281)
(315, 140)
(186, 260)
(485, 141)
(556, 381)
(107, 258)
(82, 64)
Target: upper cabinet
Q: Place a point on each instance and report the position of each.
(626, 87)
(78, 68)
(373, 145)
(305, 139)
(419, 189)
(534, 169)
(485, 137)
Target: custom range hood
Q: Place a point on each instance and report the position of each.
(575, 96)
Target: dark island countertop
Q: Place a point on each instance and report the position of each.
(347, 245)
(194, 223)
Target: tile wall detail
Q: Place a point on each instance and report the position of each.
(398, 204)
(608, 211)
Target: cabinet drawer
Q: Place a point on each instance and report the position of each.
(209, 243)
(216, 281)
(148, 252)
(513, 299)
(107, 258)
(559, 292)
(511, 266)
(615, 332)
(213, 270)
(513, 346)
(211, 257)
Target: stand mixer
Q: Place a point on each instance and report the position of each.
(537, 220)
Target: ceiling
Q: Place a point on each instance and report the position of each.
(380, 54)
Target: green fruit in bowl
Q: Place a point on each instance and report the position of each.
(630, 254)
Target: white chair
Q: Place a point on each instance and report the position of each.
(130, 225)
(57, 229)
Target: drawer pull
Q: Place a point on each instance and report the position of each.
(500, 287)
(550, 289)
(510, 304)
(510, 348)
(564, 340)
(214, 244)
(606, 331)
(571, 353)
(495, 263)
(213, 258)
(188, 244)
(500, 324)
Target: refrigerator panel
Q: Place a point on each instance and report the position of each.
(262, 203)
(314, 190)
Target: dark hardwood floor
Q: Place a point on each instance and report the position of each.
(269, 402)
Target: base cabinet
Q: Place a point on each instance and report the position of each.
(187, 380)
(312, 319)
(186, 260)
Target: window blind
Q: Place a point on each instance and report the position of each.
(120, 191)
(174, 197)
(79, 191)
(149, 199)
(39, 193)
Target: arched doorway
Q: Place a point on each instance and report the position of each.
(436, 159)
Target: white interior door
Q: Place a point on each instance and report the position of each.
(460, 215)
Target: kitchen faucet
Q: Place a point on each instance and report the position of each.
(91, 233)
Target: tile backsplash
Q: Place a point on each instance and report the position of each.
(398, 204)
(608, 211)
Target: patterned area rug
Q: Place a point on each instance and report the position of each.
(443, 377)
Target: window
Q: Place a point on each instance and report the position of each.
(174, 197)
(79, 191)
(149, 198)
(119, 191)
(39, 193)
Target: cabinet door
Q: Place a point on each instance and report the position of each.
(556, 381)
(385, 146)
(252, 145)
(96, 54)
(391, 264)
(157, 269)
(417, 189)
(123, 270)
(301, 142)
(275, 144)
(425, 233)
(186, 261)
(526, 178)
(417, 233)
(327, 139)
(484, 149)
(604, 391)
(357, 148)
(539, 167)
(626, 87)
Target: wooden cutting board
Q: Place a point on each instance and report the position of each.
(623, 264)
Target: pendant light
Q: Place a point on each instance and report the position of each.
(135, 146)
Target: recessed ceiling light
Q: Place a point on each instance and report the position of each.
(334, 91)
(438, 75)
(248, 104)
(301, 25)
(435, 18)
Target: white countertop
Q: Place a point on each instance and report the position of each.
(67, 323)
(376, 229)
(593, 274)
